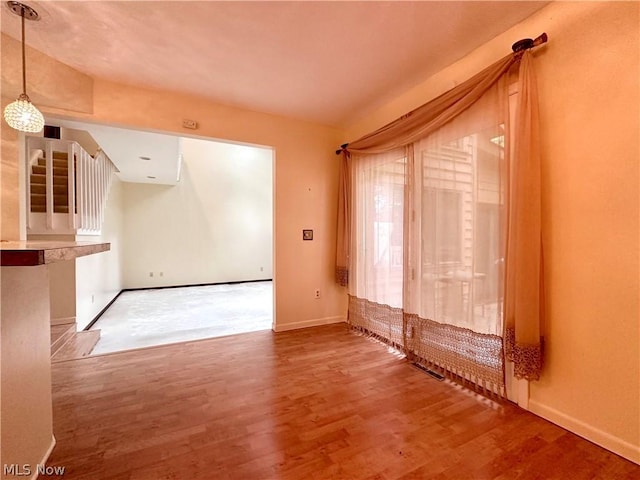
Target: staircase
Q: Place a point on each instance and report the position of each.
(66, 195)
(63, 174)
(60, 184)
(68, 344)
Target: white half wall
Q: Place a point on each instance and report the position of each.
(214, 226)
(99, 277)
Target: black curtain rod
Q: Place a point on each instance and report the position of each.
(519, 46)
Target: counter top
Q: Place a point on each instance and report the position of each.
(27, 254)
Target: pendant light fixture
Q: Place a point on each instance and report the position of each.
(22, 115)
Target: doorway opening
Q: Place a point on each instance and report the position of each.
(190, 222)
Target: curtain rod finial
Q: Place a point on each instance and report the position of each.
(342, 147)
(541, 39)
(527, 43)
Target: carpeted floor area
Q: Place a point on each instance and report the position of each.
(145, 318)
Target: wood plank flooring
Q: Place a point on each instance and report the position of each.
(318, 403)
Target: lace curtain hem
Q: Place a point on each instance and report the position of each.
(342, 276)
(527, 359)
(457, 353)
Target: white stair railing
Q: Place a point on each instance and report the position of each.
(88, 183)
(93, 179)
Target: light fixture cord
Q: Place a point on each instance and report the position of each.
(24, 69)
(24, 62)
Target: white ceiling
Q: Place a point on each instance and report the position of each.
(140, 157)
(325, 62)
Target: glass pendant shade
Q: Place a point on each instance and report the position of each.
(22, 115)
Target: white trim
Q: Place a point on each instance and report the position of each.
(517, 389)
(315, 322)
(599, 437)
(45, 458)
(509, 382)
(523, 392)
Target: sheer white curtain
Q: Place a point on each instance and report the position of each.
(453, 302)
(377, 267)
(379, 202)
(457, 230)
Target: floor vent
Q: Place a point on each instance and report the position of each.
(435, 375)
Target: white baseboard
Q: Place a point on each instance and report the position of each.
(315, 322)
(599, 437)
(35, 474)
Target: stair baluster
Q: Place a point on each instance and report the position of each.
(49, 184)
(71, 183)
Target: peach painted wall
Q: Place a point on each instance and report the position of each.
(49, 83)
(9, 176)
(589, 80)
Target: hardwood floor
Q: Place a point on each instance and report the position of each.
(318, 403)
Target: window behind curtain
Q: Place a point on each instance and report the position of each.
(379, 200)
(459, 185)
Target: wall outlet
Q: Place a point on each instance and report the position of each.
(151, 274)
(162, 274)
(317, 293)
(262, 269)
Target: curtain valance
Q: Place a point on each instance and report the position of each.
(427, 118)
